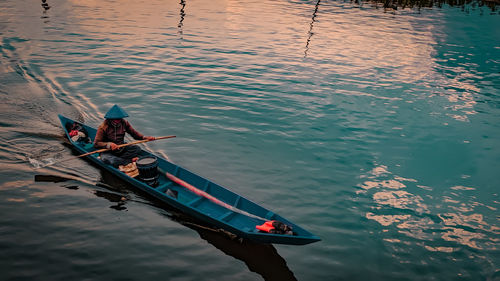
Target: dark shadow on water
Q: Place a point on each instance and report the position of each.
(262, 259)
(51, 178)
(71, 182)
(118, 199)
(45, 7)
(70, 186)
(182, 14)
(259, 258)
(310, 33)
(466, 6)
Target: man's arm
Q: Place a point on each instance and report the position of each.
(99, 143)
(135, 134)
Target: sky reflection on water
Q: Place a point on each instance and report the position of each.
(425, 221)
(377, 131)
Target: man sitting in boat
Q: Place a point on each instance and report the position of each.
(111, 133)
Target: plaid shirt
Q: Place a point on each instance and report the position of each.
(109, 132)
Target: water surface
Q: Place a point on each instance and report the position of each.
(377, 131)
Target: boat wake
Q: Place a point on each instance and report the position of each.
(37, 164)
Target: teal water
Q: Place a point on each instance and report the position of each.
(377, 131)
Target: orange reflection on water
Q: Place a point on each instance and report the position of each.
(14, 184)
(463, 237)
(459, 187)
(392, 184)
(400, 199)
(379, 171)
(463, 226)
(16, 200)
(471, 221)
(440, 249)
(386, 220)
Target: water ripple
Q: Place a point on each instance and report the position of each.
(376, 130)
(426, 222)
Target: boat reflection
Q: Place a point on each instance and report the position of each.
(114, 198)
(262, 259)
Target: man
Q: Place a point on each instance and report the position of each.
(111, 133)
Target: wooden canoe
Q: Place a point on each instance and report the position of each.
(202, 198)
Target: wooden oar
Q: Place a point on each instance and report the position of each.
(104, 150)
(123, 145)
(210, 197)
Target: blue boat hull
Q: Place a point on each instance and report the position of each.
(231, 219)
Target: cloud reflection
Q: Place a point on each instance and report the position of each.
(402, 205)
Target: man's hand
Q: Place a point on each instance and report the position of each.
(149, 138)
(113, 146)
